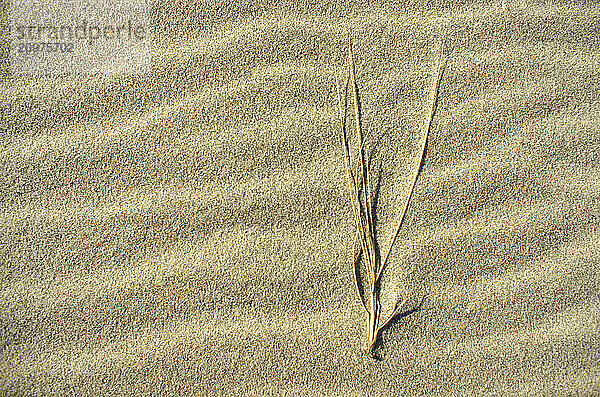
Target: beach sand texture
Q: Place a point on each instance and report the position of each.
(188, 231)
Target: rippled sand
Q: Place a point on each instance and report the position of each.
(188, 231)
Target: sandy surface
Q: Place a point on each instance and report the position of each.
(188, 231)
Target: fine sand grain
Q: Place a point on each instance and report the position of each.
(187, 231)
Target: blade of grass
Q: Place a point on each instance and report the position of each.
(369, 249)
(368, 267)
(433, 94)
(354, 199)
(366, 200)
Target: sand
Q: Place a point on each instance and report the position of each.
(188, 231)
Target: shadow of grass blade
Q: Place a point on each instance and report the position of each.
(359, 275)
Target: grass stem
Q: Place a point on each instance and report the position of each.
(368, 267)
